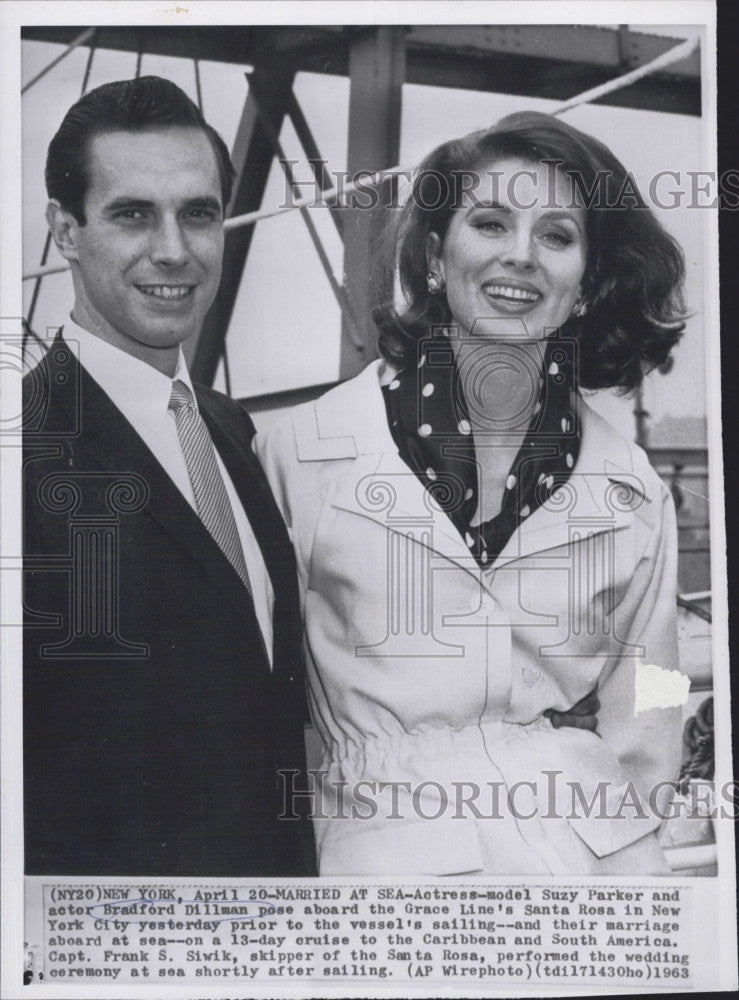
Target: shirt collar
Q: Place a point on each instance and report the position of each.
(130, 382)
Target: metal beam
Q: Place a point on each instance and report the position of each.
(553, 79)
(554, 61)
(347, 310)
(317, 163)
(579, 43)
(252, 157)
(220, 44)
(575, 43)
(377, 71)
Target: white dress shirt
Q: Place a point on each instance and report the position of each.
(142, 395)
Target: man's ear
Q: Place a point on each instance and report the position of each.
(434, 263)
(64, 229)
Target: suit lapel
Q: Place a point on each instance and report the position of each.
(107, 440)
(231, 431)
(229, 434)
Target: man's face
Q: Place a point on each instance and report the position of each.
(150, 253)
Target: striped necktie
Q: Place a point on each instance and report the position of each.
(211, 498)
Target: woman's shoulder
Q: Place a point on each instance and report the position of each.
(626, 465)
(603, 443)
(305, 450)
(345, 422)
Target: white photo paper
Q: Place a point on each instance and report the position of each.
(364, 602)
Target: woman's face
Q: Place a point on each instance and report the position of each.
(512, 264)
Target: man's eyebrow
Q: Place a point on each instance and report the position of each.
(123, 201)
(206, 201)
(126, 202)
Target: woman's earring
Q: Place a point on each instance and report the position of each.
(435, 283)
(580, 307)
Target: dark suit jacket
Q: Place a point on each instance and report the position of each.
(153, 726)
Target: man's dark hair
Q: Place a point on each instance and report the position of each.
(148, 102)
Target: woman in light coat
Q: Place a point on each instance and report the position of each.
(477, 549)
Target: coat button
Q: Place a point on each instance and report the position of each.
(488, 605)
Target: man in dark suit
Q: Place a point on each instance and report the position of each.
(162, 683)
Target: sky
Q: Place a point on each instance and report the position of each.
(285, 329)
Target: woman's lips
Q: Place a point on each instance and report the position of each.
(510, 297)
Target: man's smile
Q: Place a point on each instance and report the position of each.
(166, 291)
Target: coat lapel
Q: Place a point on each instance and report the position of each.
(601, 495)
(351, 422)
(383, 489)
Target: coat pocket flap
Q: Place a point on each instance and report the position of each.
(620, 818)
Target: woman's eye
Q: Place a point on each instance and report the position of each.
(558, 238)
(491, 225)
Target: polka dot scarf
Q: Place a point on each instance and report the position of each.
(429, 418)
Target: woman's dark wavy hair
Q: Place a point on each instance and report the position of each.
(634, 273)
(148, 102)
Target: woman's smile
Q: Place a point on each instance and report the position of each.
(512, 296)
